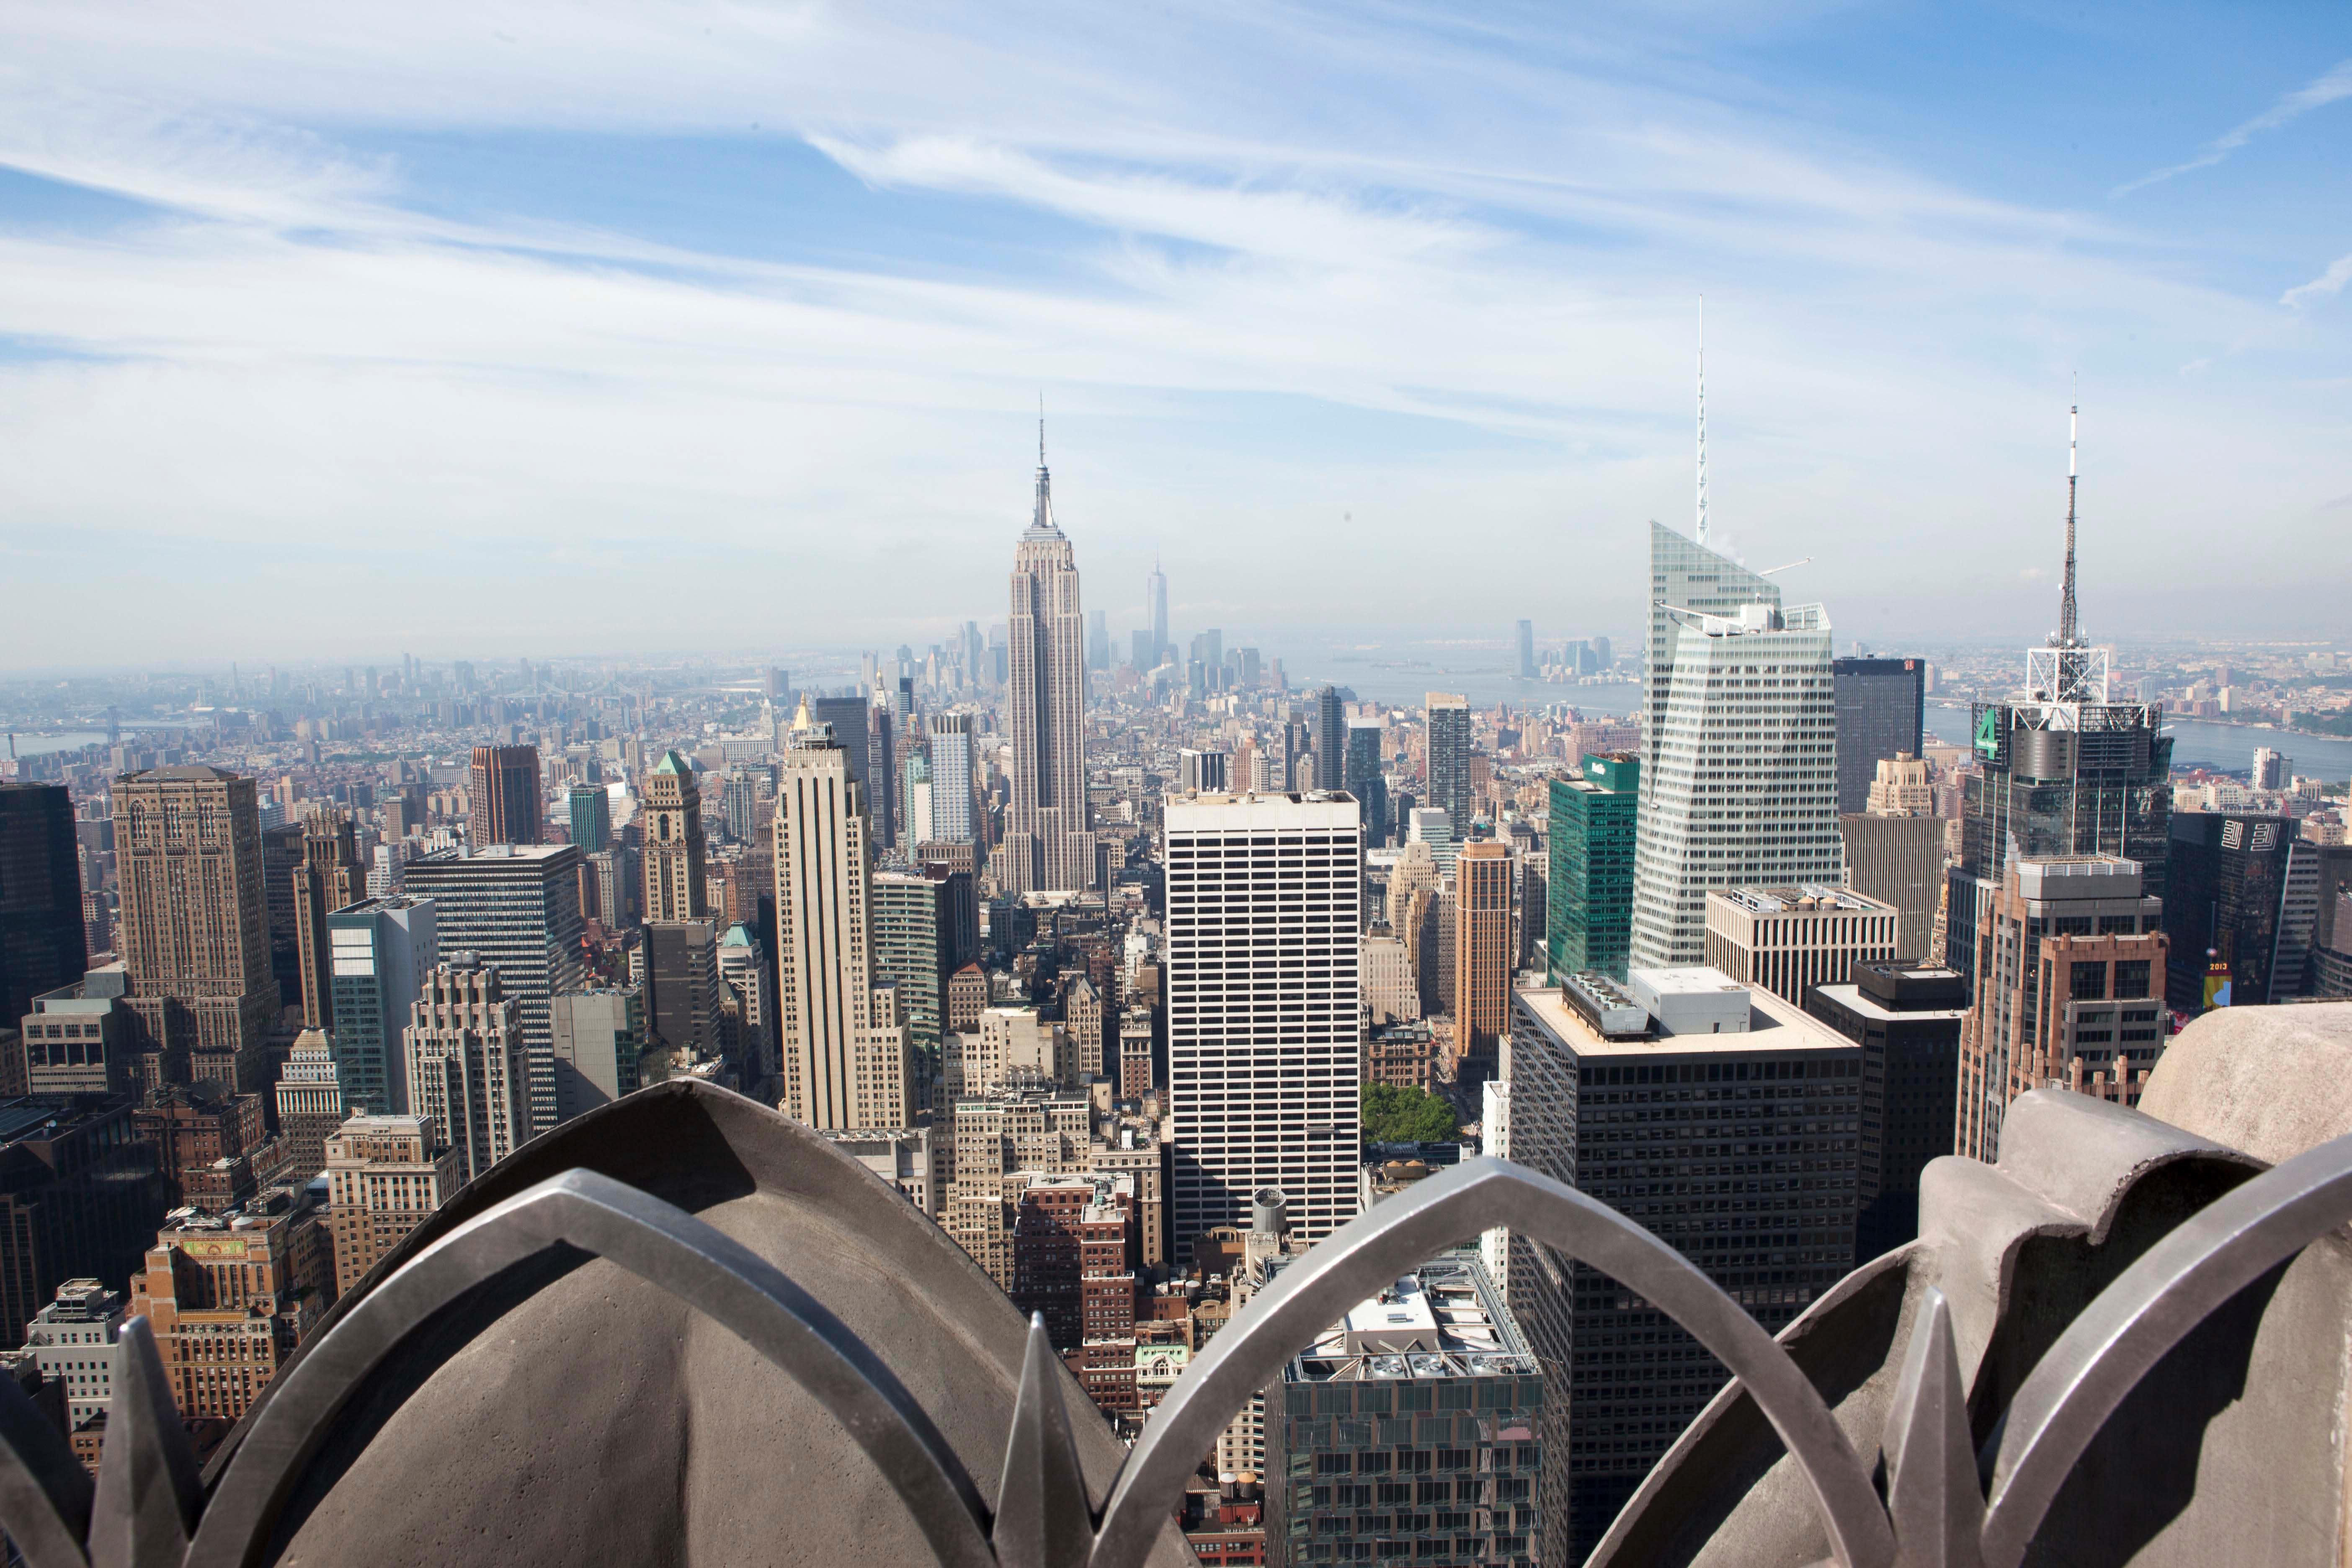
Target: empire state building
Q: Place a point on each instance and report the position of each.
(1048, 842)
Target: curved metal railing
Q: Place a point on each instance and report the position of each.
(147, 1511)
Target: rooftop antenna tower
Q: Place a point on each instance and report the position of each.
(2068, 675)
(1702, 421)
(2066, 637)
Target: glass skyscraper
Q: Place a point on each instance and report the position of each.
(1590, 897)
(1882, 705)
(1366, 738)
(590, 810)
(1449, 758)
(381, 949)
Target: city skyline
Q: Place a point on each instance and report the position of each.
(1261, 330)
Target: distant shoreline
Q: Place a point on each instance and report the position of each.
(2189, 718)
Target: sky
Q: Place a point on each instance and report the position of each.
(486, 328)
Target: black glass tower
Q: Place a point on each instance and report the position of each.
(41, 933)
(1882, 706)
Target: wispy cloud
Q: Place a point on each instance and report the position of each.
(1274, 267)
(2337, 84)
(2332, 282)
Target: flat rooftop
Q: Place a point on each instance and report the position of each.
(1250, 811)
(1863, 1004)
(1808, 898)
(1445, 1319)
(1773, 1026)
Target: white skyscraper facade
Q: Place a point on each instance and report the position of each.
(951, 820)
(1049, 846)
(845, 1046)
(1739, 782)
(1263, 985)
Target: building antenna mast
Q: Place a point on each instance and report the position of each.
(1702, 419)
(2066, 594)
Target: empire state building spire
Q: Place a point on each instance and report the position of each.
(1042, 524)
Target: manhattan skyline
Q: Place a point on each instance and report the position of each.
(341, 360)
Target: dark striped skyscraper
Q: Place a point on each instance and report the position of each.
(502, 797)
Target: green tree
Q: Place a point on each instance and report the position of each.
(1394, 1115)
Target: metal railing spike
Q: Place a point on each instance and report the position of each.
(1931, 1469)
(148, 1493)
(1043, 1518)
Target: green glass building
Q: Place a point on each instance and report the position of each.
(1591, 900)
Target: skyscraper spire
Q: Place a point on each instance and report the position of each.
(2066, 637)
(1043, 522)
(1702, 419)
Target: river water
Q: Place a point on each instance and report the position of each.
(2224, 747)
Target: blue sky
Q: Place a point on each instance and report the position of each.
(498, 329)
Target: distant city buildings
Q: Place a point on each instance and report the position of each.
(672, 836)
(2225, 911)
(329, 878)
(589, 807)
(1482, 957)
(951, 776)
(380, 952)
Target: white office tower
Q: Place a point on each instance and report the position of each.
(1739, 786)
(917, 816)
(1047, 843)
(844, 1047)
(1263, 992)
(952, 759)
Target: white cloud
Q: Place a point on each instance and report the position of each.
(2332, 282)
(1447, 291)
(2317, 94)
